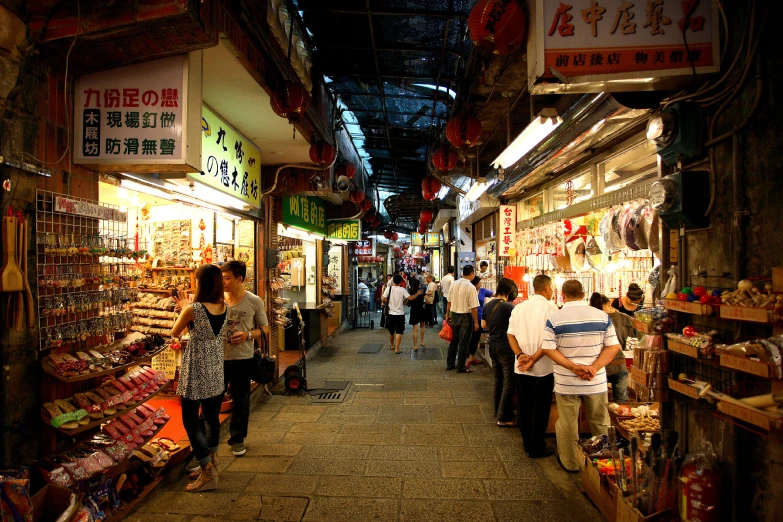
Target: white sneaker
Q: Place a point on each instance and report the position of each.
(238, 449)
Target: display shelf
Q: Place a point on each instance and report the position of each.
(107, 418)
(684, 349)
(688, 307)
(767, 421)
(158, 290)
(48, 369)
(684, 389)
(759, 368)
(744, 313)
(177, 268)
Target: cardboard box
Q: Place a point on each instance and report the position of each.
(744, 313)
(50, 503)
(688, 307)
(627, 513)
(762, 369)
(601, 492)
(685, 349)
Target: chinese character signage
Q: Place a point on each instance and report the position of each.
(229, 162)
(138, 118)
(429, 239)
(344, 229)
(363, 248)
(83, 208)
(306, 213)
(508, 231)
(589, 41)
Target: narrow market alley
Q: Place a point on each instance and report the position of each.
(411, 442)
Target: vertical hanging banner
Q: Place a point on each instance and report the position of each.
(140, 118)
(578, 45)
(508, 231)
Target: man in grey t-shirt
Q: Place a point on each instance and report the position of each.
(247, 320)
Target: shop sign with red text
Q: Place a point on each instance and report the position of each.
(581, 44)
(508, 230)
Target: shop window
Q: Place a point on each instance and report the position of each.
(631, 166)
(572, 191)
(531, 207)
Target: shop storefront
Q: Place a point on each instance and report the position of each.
(485, 239)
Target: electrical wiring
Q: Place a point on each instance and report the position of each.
(65, 93)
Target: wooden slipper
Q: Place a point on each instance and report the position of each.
(167, 443)
(106, 406)
(92, 409)
(57, 418)
(67, 407)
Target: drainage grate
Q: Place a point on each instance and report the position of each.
(330, 396)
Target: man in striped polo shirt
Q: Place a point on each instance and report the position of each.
(581, 341)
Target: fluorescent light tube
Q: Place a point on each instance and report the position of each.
(145, 189)
(443, 191)
(538, 129)
(478, 188)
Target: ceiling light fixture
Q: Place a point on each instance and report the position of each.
(538, 129)
(478, 189)
(443, 191)
(145, 189)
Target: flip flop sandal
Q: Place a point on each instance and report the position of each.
(81, 366)
(58, 419)
(161, 417)
(119, 436)
(62, 367)
(92, 409)
(167, 444)
(82, 417)
(90, 362)
(127, 397)
(113, 401)
(107, 407)
(100, 359)
(128, 434)
(118, 451)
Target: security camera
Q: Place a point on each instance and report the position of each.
(343, 183)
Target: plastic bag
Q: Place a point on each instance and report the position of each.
(446, 333)
(700, 486)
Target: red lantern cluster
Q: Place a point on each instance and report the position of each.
(463, 130)
(430, 187)
(426, 216)
(366, 205)
(289, 100)
(388, 234)
(345, 169)
(444, 159)
(322, 153)
(498, 26)
(395, 236)
(358, 196)
(371, 259)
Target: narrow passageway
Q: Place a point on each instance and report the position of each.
(411, 442)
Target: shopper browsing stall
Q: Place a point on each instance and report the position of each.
(429, 301)
(445, 286)
(475, 337)
(630, 302)
(201, 381)
(616, 372)
(462, 311)
(581, 341)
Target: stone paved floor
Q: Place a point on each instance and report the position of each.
(412, 442)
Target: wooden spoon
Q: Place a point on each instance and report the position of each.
(11, 279)
(27, 295)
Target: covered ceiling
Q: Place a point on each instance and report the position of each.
(396, 65)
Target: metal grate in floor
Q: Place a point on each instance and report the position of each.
(330, 396)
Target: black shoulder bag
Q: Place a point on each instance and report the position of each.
(263, 365)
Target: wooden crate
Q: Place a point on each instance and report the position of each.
(757, 418)
(642, 327)
(744, 313)
(625, 512)
(685, 349)
(688, 307)
(684, 389)
(762, 369)
(601, 492)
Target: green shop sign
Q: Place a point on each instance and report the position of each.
(344, 229)
(305, 212)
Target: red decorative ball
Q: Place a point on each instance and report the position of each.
(395, 236)
(289, 100)
(345, 169)
(444, 159)
(322, 153)
(431, 184)
(426, 216)
(358, 196)
(463, 130)
(366, 205)
(369, 217)
(498, 26)
(429, 196)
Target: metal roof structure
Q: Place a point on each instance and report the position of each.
(395, 64)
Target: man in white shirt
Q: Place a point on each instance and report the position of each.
(580, 340)
(429, 302)
(462, 311)
(364, 294)
(533, 370)
(445, 285)
(396, 295)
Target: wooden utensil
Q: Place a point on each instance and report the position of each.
(27, 295)
(18, 305)
(11, 279)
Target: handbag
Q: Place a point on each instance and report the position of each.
(446, 333)
(263, 365)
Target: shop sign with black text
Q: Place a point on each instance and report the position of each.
(578, 45)
(229, 162)
(305, 213)
(344, 229)
(139, 118)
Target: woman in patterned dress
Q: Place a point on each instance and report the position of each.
(201, 375)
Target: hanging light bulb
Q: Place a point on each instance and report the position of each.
(526, 278)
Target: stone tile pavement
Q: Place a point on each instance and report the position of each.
(411, 442)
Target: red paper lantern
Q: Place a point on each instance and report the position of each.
(387, 234)
(423, 228)
(289, 100)
(444, 159)
(369, 217)
(426, 216)
(345, 169)
(358, 196)
(366, 204)
(498, 26)
(322, 153)
(395, 236)
(431, 184)
(463, 130)
(376, 222)
(429, 196)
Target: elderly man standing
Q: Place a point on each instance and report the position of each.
(462, 312)
(581, 341)
(533, 369)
